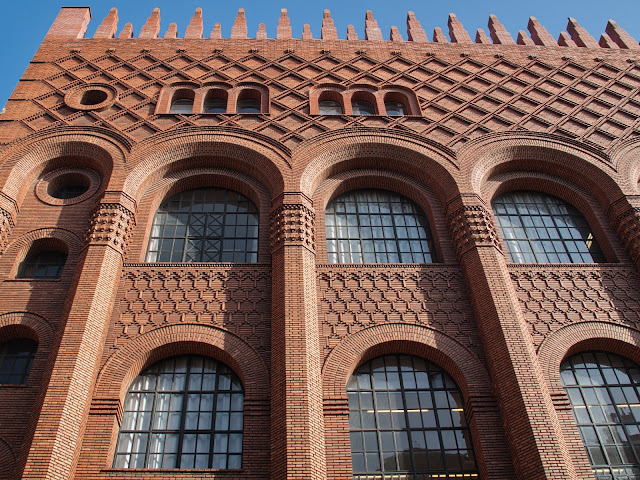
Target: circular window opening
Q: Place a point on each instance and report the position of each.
(93, 97)
(70, 185)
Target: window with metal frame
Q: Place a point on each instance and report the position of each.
(329, 107)
(377, 226)
(16, 358)
(540, 228)
(604, 391)
(183, 412)
(407, 421)
(43, 265)
(205, 225)
(361, 107)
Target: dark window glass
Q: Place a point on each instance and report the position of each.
(69, 191)
(205, 225)
(215, 105)
(604, 390)
(183, 106)
(377, 226)
(42, 265)
(407, 421)
(16, 357)
(249, 105)
(360, 107)
(329, 107)
(396, 109)
(183, 412)
(540, 228)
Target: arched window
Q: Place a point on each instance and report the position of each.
(604, 390)
(249, 101)
(540, 228)
(205, 225)
(396, 109)
(377, 226)
(216, 101)
(362, 107)
(329, 107)
(182, 412)
(182, 106)
(16, 358)
(406, 420)
(42, 264)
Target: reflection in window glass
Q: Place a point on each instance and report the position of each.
(396, 109)
(604, 390)
(377, 226)
(42, 265)
(215, 105)
(407, 421)
(183, 106)
(540, 228)
(249, 105)
(360, 107)
(329, 107)
(205, 225)
(183, 412)
(16, 358)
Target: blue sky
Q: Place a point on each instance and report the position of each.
(24, 23)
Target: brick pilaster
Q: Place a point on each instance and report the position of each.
(297, 422)
(67, 402)
(533, 430)
(625, 217)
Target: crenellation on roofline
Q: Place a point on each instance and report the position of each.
(72, 22)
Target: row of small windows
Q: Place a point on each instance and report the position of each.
(362, 107)
(249, 101)
(365, 226)
(406, 415)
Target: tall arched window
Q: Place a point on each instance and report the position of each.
(540, 228)
(182, 412)
(377, 226)
(604, 390)
(406, 420)
(205, 225)
(16, 358)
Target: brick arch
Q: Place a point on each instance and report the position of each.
(29, 324)
(581, 337)
(625, 158)
(457, 360)
(124, 365)
(404, 184)
(96, 148)
(540, 152)
(256, 155)
(567, 191)
(70, 239)
(7, 460)
(331, 153)
(181, 180)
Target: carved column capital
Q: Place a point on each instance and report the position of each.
(292, 224)
(472, 226)
(111, 225)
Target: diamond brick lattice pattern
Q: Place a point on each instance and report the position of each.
(461, 97)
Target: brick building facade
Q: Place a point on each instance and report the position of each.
(369, 259)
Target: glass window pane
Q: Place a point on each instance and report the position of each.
(16, 358)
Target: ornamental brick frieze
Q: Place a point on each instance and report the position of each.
(552, 298)
(231, 297)
(292, 224)
(6, 225)
(111, 225)
(628, 229)
(352, 300)
(472, 226)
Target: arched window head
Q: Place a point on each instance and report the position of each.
(183, 412)
(329, 107)
(16, 358)
(205, 225)
(362, 107)
(540, 228)
(182, 106)
(396, 109)
(604, 391)
(43, 264)
(406, 420)
(377, 226)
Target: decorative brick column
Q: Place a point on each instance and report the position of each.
(624, 214)
(59, 430)
(533, 430)
(297, 422)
